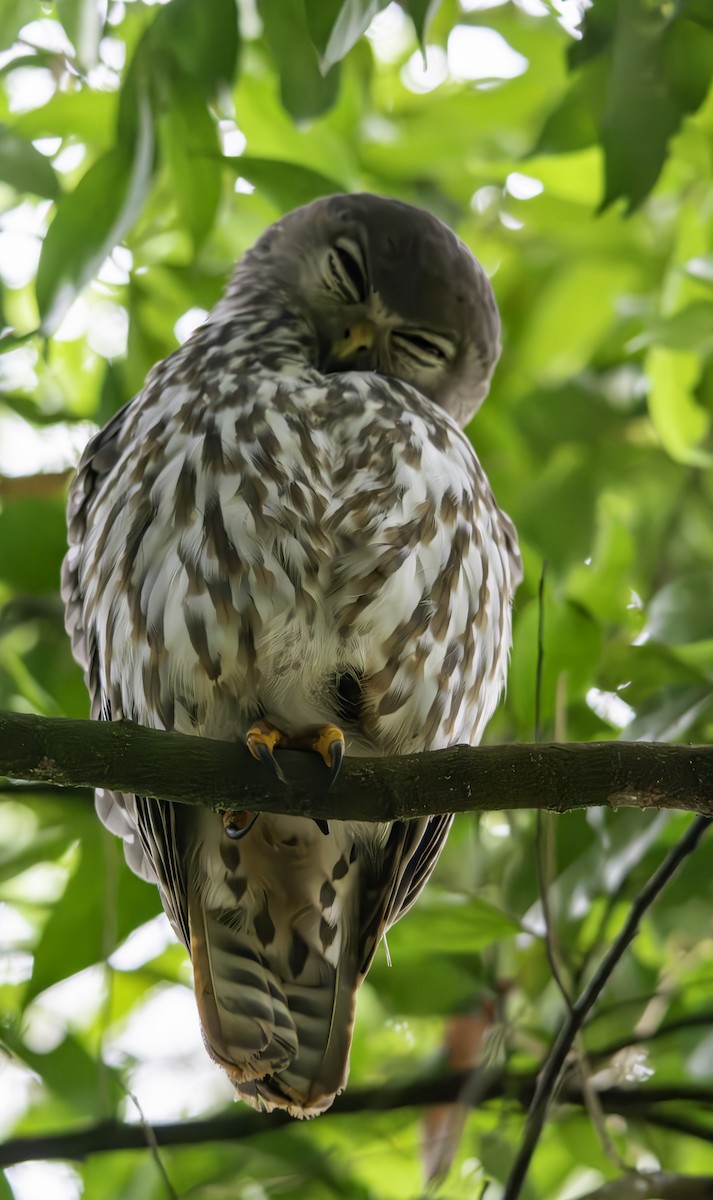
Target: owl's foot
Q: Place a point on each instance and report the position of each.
(325, 740)
(261, 740)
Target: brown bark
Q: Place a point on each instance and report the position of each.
(191, 770)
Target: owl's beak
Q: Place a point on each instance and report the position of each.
(357, 341)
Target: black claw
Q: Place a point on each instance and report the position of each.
(235, 832)
(269, 760)
(336, 754)
(323, 826)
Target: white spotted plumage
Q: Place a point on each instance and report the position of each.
(248, 533)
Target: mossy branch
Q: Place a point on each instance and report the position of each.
(188, 770)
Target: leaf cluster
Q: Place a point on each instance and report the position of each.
(143, 147)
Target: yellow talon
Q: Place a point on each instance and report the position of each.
(330, 744)
(261, 740)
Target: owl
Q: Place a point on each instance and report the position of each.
(286, 538)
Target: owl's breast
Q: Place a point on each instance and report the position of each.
(244, 555)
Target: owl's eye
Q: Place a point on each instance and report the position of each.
(427, 349)
(346, 271)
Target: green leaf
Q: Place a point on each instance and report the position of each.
(557, 510)
(571, 650)
(574, 122)
(682, 612)
(450, 924)
(24, 167)
(336, 25)
(688, 62)
(286, 184)
(689, 329)
(36, 572)
(83, 22)
(93, 915)
(70, 1072)
(669, 714)
(189, 140)
(680, 423)
(91, 220)
(13, 16)
(203, 39)
(421, 13)
(305, 91)
(47, 846)
(575, 307)
(640, 114)
(68, 114)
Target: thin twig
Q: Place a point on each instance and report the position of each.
(594, 1107)
(692, 1021)
(544, 853)
(688, 1126)
(654, 1185)
(555, 1061)
(153, 1145)
(540, 652)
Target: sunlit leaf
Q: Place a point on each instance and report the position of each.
(421, 13)
(100, 906)
(83, 21)
(336, 25)
(91, 220)
(680, 422)
(286, 184)
(24, 167)
(451, 925)
(71, 1073)
(13, 16)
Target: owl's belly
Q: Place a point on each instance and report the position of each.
(248, 590)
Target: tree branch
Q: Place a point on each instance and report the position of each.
(655, 1185)
(638, 1104)
(554, 1063)
(192, 770)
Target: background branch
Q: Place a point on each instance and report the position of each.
(192, 770)
(552, 1069)
(637, 1104)
(655, 1185)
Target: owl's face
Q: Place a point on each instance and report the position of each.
(388, 287)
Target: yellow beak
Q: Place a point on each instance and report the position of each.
(359, 337)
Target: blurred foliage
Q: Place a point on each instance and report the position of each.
(151, 144)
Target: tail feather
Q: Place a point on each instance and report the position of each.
(284, 1043)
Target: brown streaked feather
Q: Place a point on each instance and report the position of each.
(251, 538)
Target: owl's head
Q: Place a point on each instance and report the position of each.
(386, 287)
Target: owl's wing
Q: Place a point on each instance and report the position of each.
(148, 830)
(100, 455)
(408, 858)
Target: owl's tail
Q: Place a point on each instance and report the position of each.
(278, 1018)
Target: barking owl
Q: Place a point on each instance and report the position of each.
(286, 538)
